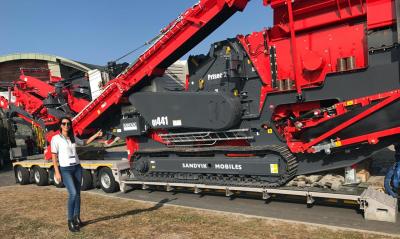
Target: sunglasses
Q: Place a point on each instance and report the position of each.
(65, 123)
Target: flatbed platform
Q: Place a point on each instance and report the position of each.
(376, 205)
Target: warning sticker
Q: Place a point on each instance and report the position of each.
(274, 168)
(338, 143)
(176, 122)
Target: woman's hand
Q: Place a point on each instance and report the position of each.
(99, 133)
(94, 136)
(57, 177)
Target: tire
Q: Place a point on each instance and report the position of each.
(40, 176)
(52, 181)
(107, 180)
(87, 180)
(22, 175)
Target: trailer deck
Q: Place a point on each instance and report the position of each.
(375, 205)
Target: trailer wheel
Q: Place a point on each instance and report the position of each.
(107, 180)
(87, 180)
(22, 175)
(40, 176)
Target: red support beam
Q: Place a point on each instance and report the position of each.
(293, 46)
(372, 138)
(351, 121)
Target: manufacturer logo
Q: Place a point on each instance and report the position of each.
(228, 166)
(194, 165)
(129, 126)
(217, 76)
(220, 166)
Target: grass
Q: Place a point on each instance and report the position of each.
(40, 212)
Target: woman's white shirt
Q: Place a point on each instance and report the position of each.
(65, 150)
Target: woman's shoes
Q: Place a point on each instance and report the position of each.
(72, 227)
(75, 224)
(78, 222)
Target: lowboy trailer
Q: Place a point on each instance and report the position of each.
(106, 173)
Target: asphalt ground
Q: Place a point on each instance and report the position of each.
(292, 209)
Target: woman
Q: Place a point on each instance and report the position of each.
(70, 171)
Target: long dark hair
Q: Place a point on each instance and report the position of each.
(70, 131)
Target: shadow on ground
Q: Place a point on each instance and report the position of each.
(131, 213)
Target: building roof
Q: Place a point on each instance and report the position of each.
(45, 57)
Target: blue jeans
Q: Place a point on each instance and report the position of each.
(397, 152)
(72, 179)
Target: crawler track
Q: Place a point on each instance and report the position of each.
(221, 179)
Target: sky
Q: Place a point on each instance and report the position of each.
(98, 31)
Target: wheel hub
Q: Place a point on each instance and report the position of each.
(105, 180)
(19, 175)
(37, 176)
